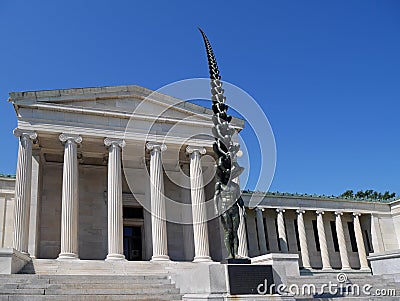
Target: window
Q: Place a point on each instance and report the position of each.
(296, 230)
(334, 236)
(316, 237)
(352, 236)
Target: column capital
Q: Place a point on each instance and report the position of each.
(19, 133)
(319, 212)
(153, 146)
(258, 209)
(338, 213)
(356, 214)
(300, 211)
(195, 149)
(70, 138)
(279, 210)
(109, 142)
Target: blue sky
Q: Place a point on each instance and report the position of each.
(327, 74)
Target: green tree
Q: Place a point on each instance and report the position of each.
(347, 194)
(368, 194)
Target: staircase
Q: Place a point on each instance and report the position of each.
(89, 281)
(352, 285)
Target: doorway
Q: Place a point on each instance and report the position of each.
(133, 243)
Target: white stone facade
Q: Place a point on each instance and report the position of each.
(71, 199)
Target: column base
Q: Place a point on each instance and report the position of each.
(114, 257)
(68, 256)
(346, 269)
(160, 258)
(327, 269)
(365, 269)
(306, 267)
(26, 254)
(202, 259)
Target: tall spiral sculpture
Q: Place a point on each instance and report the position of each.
(227, 191)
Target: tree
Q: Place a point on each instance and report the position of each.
(368, 194)
(347, 194)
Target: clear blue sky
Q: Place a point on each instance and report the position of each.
(327, 74)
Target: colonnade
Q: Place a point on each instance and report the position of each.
(302, 236)
(70, 199)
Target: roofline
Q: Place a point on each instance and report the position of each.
(317, 197)
(107, 91)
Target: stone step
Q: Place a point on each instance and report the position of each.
(86, 286)
(350, 278)
(28, 291)
(329, 276)
(85, 277)
(91, 298)
(91, 267)
(113, 291)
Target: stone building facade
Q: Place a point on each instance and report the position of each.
(71, 198)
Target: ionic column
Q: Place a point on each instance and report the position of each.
(200, 230)
(23, 190)
(305, 257)
(281, 230)
(362, 255)
(326, 265)
(158, 222)
(261, 232)
(70, 198)
(114, 194)
(243, 251)
(344, 258)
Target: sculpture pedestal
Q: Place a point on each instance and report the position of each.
(248, 279)
(223, 282)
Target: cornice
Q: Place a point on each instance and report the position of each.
(57, 97)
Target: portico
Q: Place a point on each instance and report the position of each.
(80, 138)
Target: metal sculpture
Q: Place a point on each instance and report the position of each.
(227, 197)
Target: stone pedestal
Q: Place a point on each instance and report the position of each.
(386, 263)
(12, 261)
(283, 265)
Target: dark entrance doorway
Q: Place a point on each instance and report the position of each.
(133, 242)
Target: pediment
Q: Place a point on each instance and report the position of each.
(116, 101)
(120, 99)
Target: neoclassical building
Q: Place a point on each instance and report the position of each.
(84, 184)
